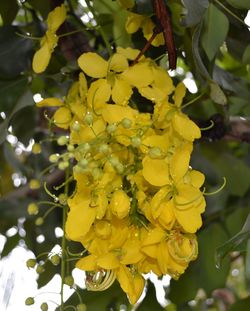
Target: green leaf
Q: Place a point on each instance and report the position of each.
(150, 302)
(15, 52)
(8, 11)
(122, 38)
(195, 11)
(241, 305)
(240, 4)
(48, 274)
(246, 55)
(215, 31)
(234, 242)
(25, 100)
(10, 244)
(202, 273)
(216, 94)
(42, 6)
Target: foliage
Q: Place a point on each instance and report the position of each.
(213, 49)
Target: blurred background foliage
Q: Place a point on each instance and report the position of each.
(213, 48)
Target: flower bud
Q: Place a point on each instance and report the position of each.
(55, 259)
(40, 269)
(104, 149)
(36, 148)
(54, 158)
(29, 301)
(126, 123)
(111, 128)
(88, 119)
(34, 184)
(39, 221)
(30, 263)
(155, 152)
(44, 306)
(83, 163)
(63, 165)
(70, 148)
(32, 209)
(135, 141)
(62, 140)
(76, 126)
(69, 280)
(63, 199)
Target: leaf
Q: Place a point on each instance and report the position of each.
(122, 38)
(25, 100)
(42, 6)
(144, 7)
(241, 305)
(8, 11)
(195, 11)
(215, 32)
(216, 94)
(234, 242)
(15, 52)
(48, 274)
(10, 244)
(240, 4)
(246, 55)
(202, 273)
(150, 302)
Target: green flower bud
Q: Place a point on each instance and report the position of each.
(136, 141)
(29, 301)
(81, 307)
(36, 148)
(55, 259)
(155, 152)
(114, 161)
(62, 140)
(104, 149)
(126, 123)
(63, 198)
(39, 221)
(83, 163)
(111, 128)
(120, 168)
(69, 280)
(63, 165)
(40, 269)
(34, 184)
(76, 126)
(32, 209)
(54, 158)
(70, 148)
(88, 119)
(30, 263)
(44, 306)
(85, 147)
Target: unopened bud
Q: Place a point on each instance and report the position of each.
(126, 123)
(36, 148)
(88, 119)
(44, 306)
(69, 280)
(62, 140)
(55, 259)
(81, 307)
(29, 301)
(39, 221)
(54, 158)
(30, 263)
(34, 184)
(40, 269)
(32, 209)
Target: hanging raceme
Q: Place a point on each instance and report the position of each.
(137, 203)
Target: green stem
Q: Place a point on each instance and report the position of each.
(63, 244)
(100, 29)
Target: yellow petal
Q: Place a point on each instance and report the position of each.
(163, 81)
(113, 113)
(98, 94)
(147, 29)
(179, 94)
(50, 102)
(118, 63)
(137, 289)
(93, 65)
(163, 257)
(83, 86)
(154, 236)
(41, 58)
(161, 141)
(87, 263)
(133, 22)
(185, 127)
(56, 18)
(167, 217)
(121, 92)
(155, 171)
(197, 178)
(129, 53)
(189, 219)
(139, 75)
(179, 164)
(62, 117)
(131, 253)
(80, 216)
(108, 261)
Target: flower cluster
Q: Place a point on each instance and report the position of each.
(137, 202)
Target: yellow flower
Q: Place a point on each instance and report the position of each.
(166, 113)
(49, 41)
(120, 204)
(136, 21)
